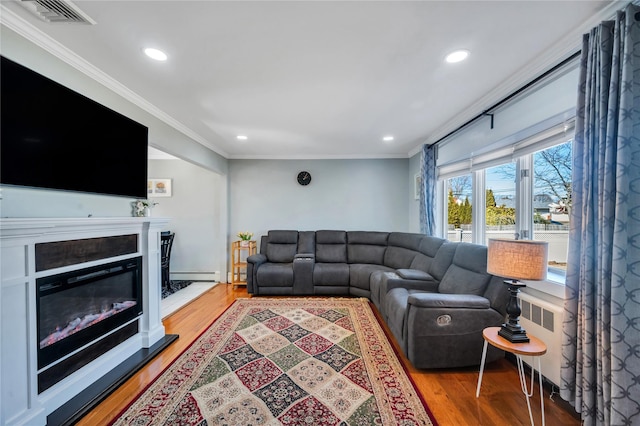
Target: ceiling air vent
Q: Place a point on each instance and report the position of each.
(57, 11)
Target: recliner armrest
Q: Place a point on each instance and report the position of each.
(411, 279)
(422, 285)
(257, 259)
(443, 300)
(414, 274)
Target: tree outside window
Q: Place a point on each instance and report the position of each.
(459, 209)
(552, 200)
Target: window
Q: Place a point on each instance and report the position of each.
(551, 201)
(526, 195)
(459, 209)
(500, 201)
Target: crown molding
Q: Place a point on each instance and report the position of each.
(560, 51)
(25, 29)
(319, 157)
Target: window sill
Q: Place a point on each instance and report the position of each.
(553, 285)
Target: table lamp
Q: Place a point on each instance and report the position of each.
(516, 260)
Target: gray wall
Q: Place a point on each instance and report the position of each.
(198, 213)
(343, 194)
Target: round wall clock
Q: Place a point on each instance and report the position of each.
(304, 178)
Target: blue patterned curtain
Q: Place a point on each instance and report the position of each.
(601, 341)
(428, 190)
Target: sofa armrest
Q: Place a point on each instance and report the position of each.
(441, 300)
(414, 274)
(253, 263)
(411, 279)
(257, 259)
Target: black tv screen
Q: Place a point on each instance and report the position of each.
(52, 137)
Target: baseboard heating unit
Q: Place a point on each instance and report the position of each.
(544, 320)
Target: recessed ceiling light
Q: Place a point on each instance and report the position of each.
(156, 54)
(387, 138)
(457, 56)
(242, 137)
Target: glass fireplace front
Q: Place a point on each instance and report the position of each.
(78, 307)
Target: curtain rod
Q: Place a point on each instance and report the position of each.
(509, 97)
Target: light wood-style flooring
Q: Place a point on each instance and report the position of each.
(450, 394)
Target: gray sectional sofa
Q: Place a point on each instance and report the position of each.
(436, 296)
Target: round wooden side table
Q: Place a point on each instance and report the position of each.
(534, 348)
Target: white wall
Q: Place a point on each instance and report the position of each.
(198, 213)
(369, 195)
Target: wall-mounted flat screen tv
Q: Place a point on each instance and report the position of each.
(53, 137)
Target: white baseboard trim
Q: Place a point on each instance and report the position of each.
(196, 276)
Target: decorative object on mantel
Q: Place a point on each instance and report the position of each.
(245, 237)
(142, 208)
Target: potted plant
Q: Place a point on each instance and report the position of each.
(245, 237)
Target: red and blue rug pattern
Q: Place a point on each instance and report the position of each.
(285, 361)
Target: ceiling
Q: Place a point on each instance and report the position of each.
(323, 79)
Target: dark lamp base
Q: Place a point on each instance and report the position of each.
(511, 330)
(513, 334)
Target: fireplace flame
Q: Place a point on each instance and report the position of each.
(87, 321)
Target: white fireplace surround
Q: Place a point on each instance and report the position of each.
(20, 403)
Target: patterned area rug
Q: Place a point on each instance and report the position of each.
(294, 361)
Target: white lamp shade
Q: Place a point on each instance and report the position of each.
(518, 259)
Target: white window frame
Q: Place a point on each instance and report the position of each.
(522, 154)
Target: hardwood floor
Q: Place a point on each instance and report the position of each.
(449, 394)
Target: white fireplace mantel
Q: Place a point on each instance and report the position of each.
(20, 403)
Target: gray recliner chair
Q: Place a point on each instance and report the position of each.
(443, 328)
(424, 273)
(284, 264)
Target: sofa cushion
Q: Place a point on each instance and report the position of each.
(405, 240)
(458, 280)
(282, 246)
(331, 246)
(421, 262)
(427, 251)
(429, 246)
(441, 262)
(306, 242)
(281, 253)
(275, 275)
(498, 294)
(332, 274)
(366, 247)
(360, 274)
(398, 257)
(471, 256)
(364, 253)
(414, 274)
(283, 237)
(331, 237)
